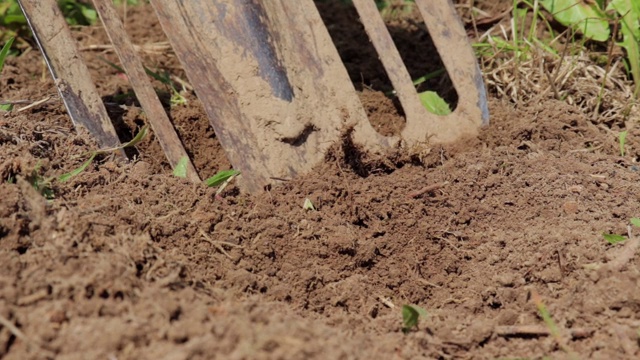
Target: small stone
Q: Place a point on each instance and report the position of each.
(570, 207)
(576, 189)
(506, 280)
(58, 316)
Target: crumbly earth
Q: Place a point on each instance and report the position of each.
(126, 261)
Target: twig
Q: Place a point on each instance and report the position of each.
(14, 102)
(33, 298)
(488, 20)
(215, 244)
(428, 188)
(386, 301)
(20, 335)
(224, 185)
(34, 104)
(149, 48)
(552, 82)
(538, 331)
(560, 264)
(587, 149)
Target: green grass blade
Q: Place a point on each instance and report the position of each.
(411, 315)
(429, 76)
(156, 75)
(5, 51)
(112, 65)
(77, 171)
(622, 139)
(221, 177)
(141, 135)
(136, 139)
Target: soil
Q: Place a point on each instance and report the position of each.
(125, 261)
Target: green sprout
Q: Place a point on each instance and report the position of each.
(308, 205)
(617, 238)
(164, 77)
(221, 177)
(622, 138)
(92, 155)
(411, 315)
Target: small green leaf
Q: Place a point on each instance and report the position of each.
(90, 14)
(411, 315)
(635, 222)
(221, 177)
(83, 167)
(614, 238)
(6, 107)
(434, 103)
(308, 205)
(622, 138)
(586, 17)
(181, 167)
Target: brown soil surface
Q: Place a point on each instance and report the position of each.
(128, 262)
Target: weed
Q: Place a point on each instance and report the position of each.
(42, 185)
(434, 103)
(92, 155)
(528, 59)
(617, 238)
(221, 177)
(431, 100)
(390, 9)
(592, 19)
(551, 325)
(585, 17)
(629, 16)
(15, 25)
(12, 21)
(78, 12)
(308, 205)
(181, 167)
(221, 180)
(622, 138)
(4, 52)
(411, 315)
(164, 77)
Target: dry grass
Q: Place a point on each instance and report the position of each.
(557, 67)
